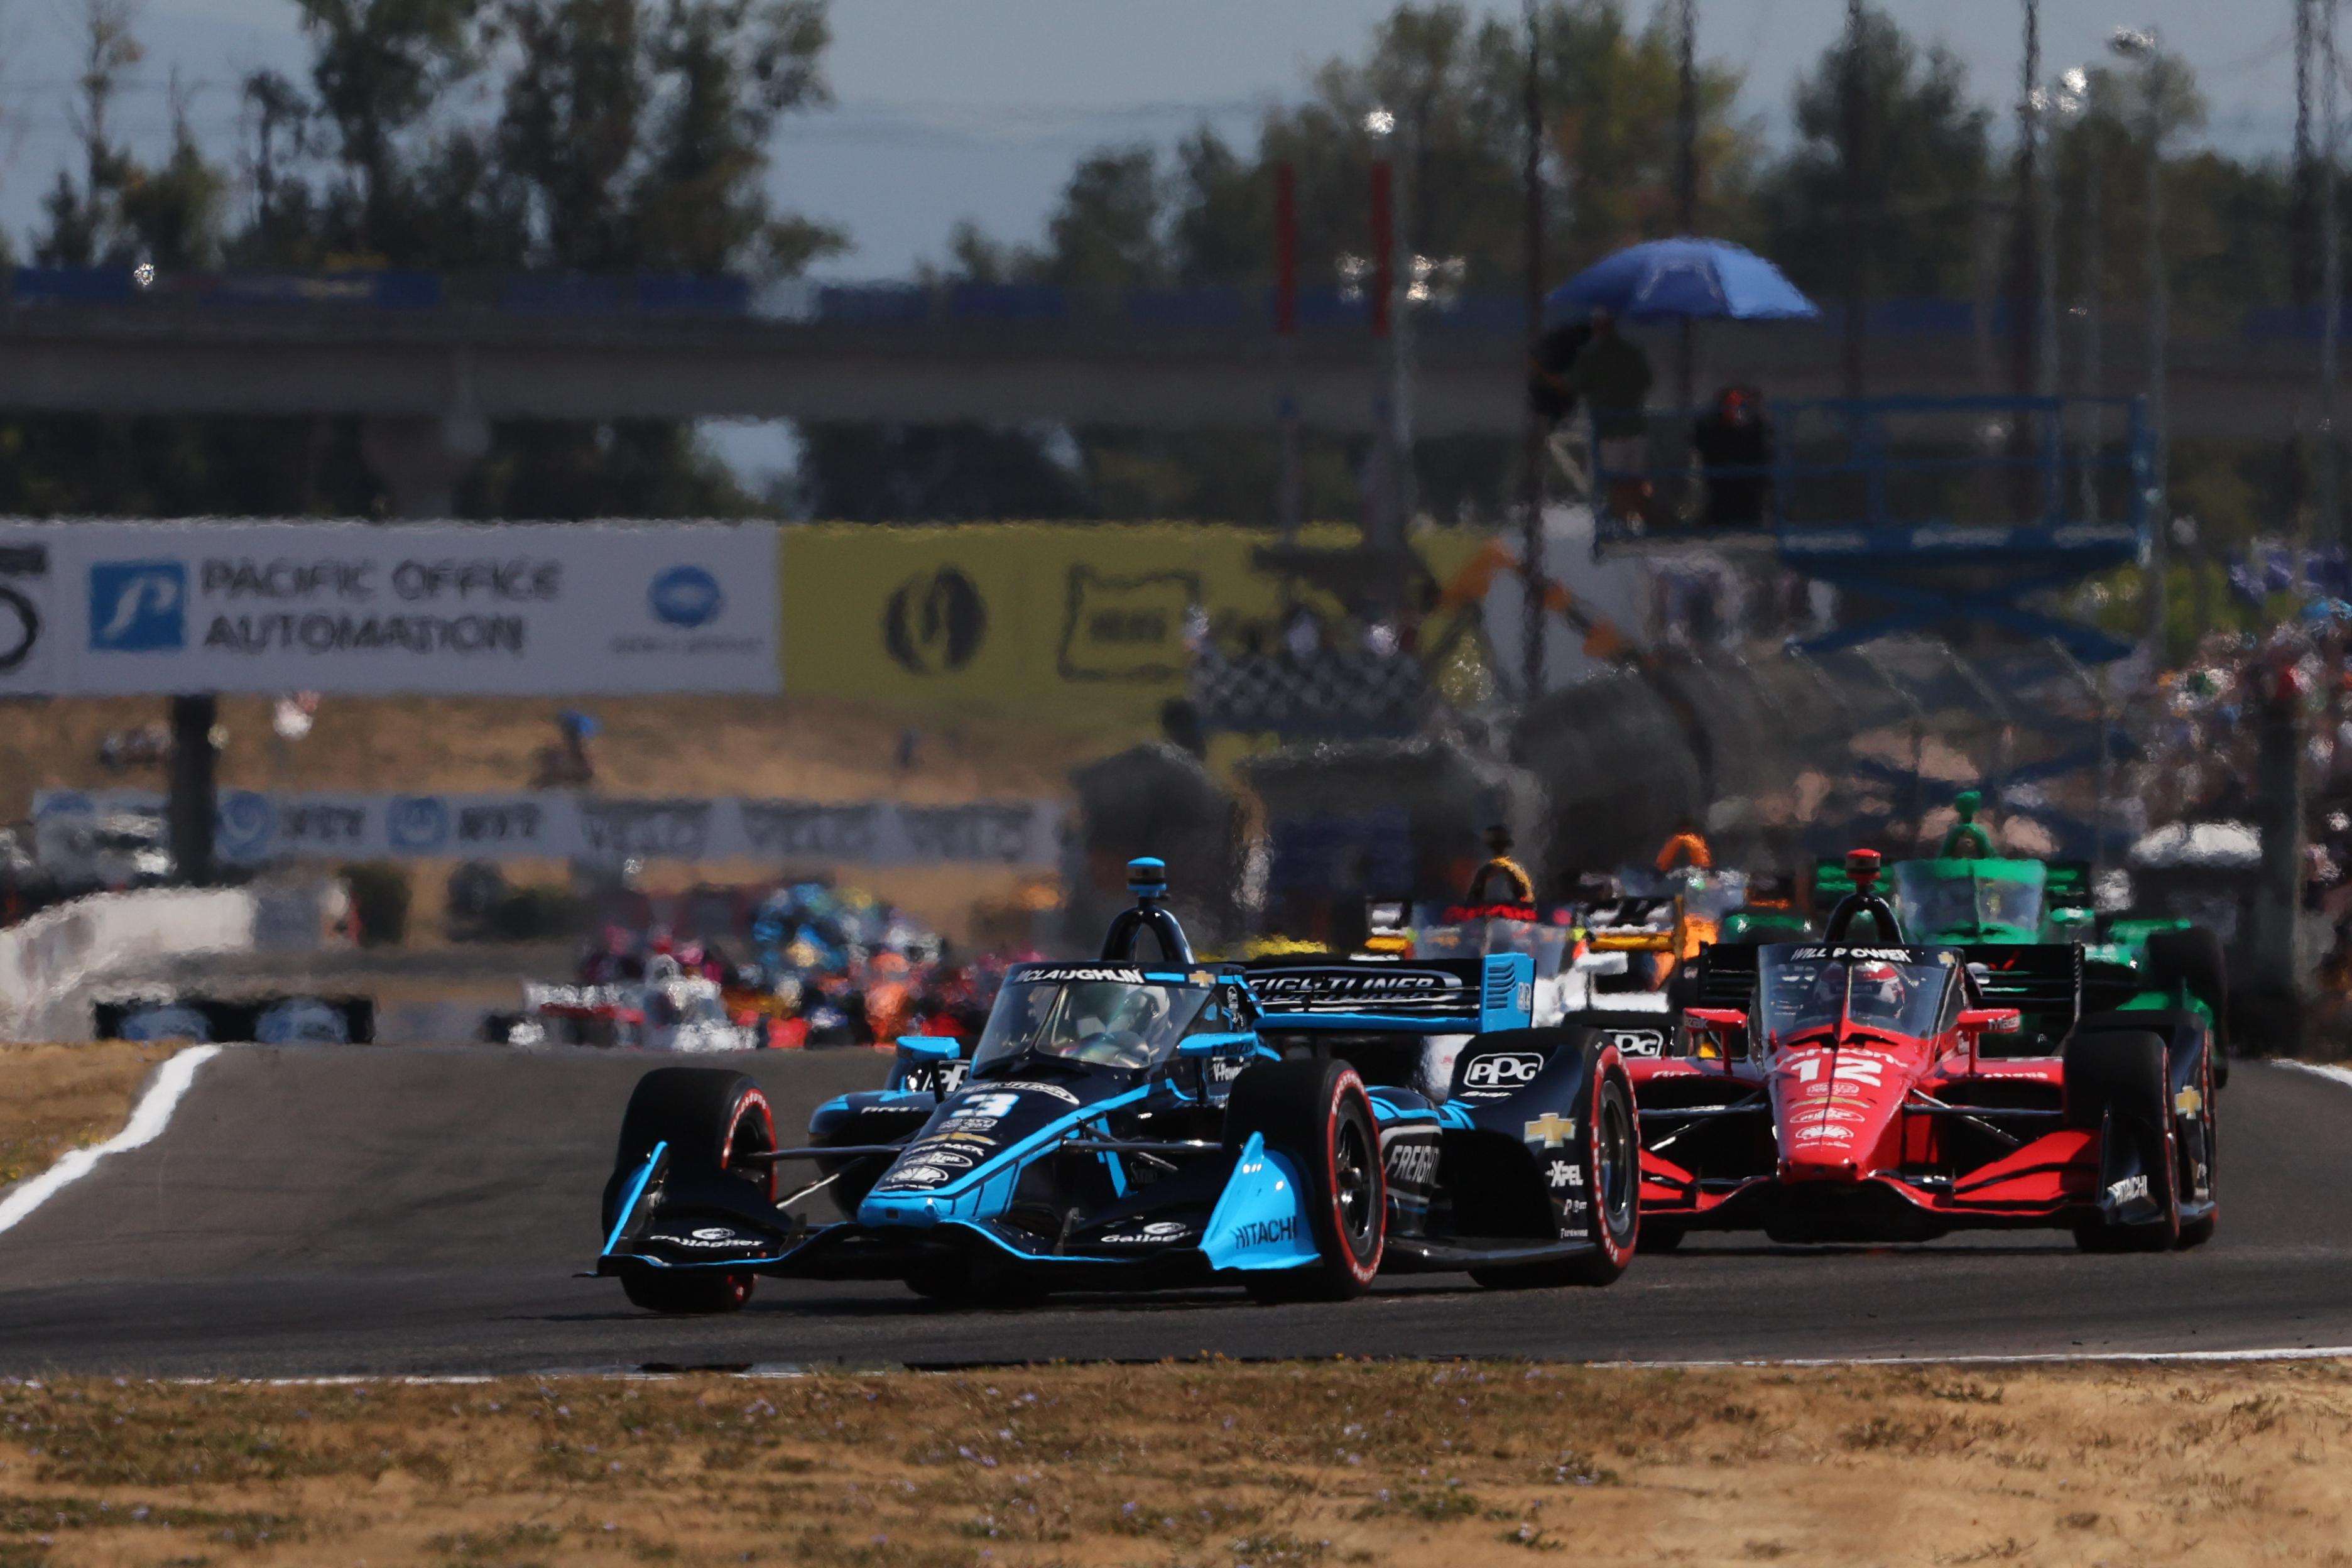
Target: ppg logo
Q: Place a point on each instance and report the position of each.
(1505, 1070)
(138, 606)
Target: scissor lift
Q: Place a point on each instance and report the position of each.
(1941, 520)
(1940, 512)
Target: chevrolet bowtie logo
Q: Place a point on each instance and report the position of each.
(1553, 1129)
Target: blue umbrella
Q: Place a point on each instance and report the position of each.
(1682, 280)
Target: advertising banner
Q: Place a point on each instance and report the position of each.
(523, 609)
(252, 827)
(1070, 623)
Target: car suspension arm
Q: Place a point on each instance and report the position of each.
(774, 1156)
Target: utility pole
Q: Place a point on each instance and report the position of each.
(1531, 538)
(2030, 337)
(2094, 287)
(1857, 221)
(2148, 48)
(2331, 282)
(2303, 262)
(2045, 235)
(2024, 239)
(1290, 501)
(1686, 184)
(1385, 529)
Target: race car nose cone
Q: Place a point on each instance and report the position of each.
(1810, 1167)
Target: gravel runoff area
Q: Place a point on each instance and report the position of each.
(1194, 1463)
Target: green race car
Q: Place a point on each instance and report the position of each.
(2032, 931)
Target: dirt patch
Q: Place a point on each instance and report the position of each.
(55, 1098)
(1196, 1464)
(804, 748)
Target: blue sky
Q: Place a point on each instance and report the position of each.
(952, 109)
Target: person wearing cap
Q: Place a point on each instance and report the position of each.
(1685, 846)
(1967, 839)
(1518, 886)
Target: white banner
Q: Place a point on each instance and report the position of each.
(252, 827)
(44, 959)
(511, 609)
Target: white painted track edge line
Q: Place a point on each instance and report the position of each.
(2341, 1074)
(148, 1120)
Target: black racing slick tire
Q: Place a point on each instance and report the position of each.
(1316, 1114)
(2117, 1084)
(710, 1119)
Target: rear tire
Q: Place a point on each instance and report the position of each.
(2192, 959)
(1316, 1114)
(2115, 1081)
(711, 1119)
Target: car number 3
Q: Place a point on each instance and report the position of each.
(986, 1105)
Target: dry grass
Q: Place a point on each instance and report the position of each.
(809, 748)
(1331, 1463)
(55, 1098)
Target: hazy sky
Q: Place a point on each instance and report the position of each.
(950, 109)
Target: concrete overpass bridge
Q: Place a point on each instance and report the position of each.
(430, 380)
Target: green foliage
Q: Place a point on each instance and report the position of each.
(630, 136)
(1909, 213)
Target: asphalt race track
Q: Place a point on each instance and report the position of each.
(316, 1211)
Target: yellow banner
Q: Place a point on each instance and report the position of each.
(1075, 623)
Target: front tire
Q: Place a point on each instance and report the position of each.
(700, 1292)
(1318, 1115)
(711, 1119)
(2118, 1083)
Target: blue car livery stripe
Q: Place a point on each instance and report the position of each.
(636, 1191)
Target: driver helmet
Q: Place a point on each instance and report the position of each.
(1140, 1012)
(1879, 989)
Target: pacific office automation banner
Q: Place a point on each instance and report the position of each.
(252, 827)
(514, 609)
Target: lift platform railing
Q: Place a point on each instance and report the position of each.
(1900, 472)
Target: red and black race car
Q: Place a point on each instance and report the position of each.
(1846, 1089)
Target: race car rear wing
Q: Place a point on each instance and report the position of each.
(1424, 996)
(1724, 977)
(2044, 981)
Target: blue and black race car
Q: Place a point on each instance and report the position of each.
(1295, 1128)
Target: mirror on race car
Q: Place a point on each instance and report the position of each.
(1716, 1018)
(1993, 1020)
(931, 1048)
